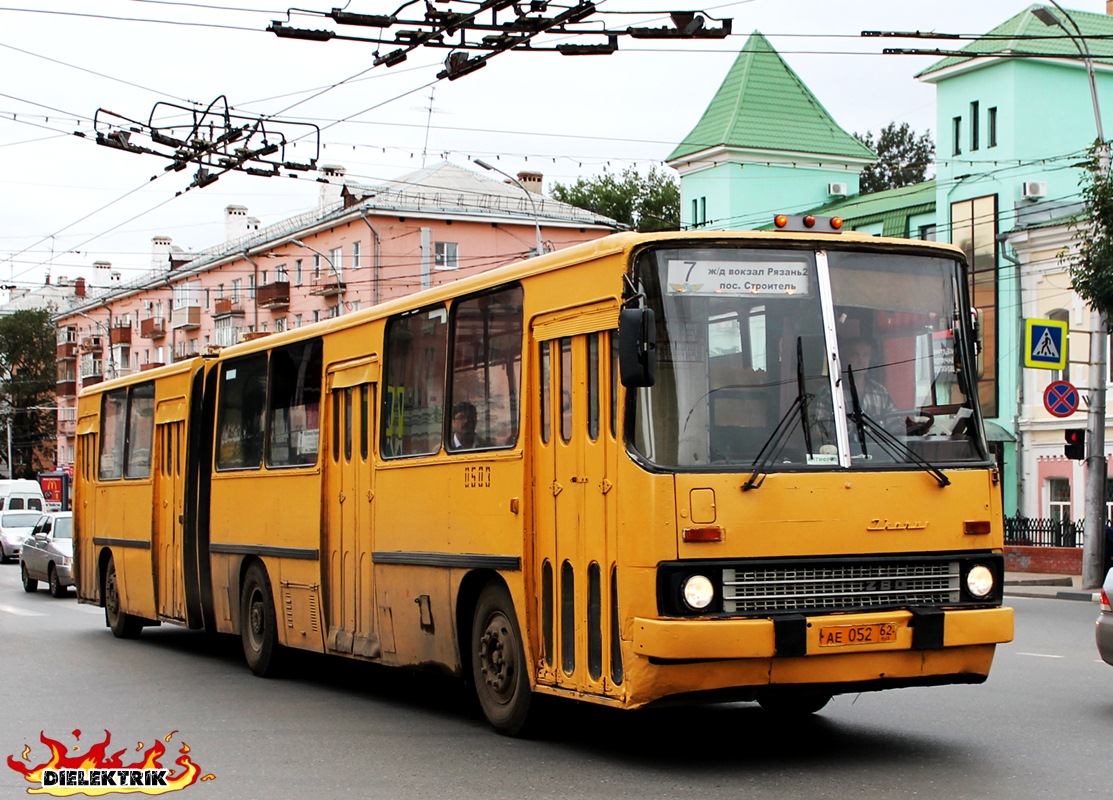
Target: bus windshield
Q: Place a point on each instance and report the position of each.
(796, 359)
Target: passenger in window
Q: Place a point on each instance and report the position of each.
(464, 420)
(875, 400)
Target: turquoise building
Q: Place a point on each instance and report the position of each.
(1014, 121)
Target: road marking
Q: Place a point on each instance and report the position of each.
(1039, 655)
(19, 612)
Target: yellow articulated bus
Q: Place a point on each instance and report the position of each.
(721, 465)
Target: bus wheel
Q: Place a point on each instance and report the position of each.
(793, 703)
(498, 662)
(258, 623)
(122, 624)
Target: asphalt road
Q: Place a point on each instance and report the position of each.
(1042, 726)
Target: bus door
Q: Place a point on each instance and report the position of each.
(349, 492)
(574, 524)
(84, 507)
(169, 472)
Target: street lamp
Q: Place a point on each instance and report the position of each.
(1094, 523)
(540, 248)
(331, 266)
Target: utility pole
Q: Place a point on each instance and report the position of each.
(1093, 543)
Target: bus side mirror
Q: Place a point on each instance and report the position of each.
(637, 347)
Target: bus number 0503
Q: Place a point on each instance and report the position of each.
(477, 477)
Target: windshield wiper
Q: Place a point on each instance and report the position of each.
(779, 437)
(889, 443)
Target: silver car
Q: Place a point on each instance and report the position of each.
(1105, 621)
(14, 527)
(47, 554)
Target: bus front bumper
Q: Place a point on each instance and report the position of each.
(666, 640)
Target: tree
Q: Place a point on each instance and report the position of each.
(27, 379)
(644, 203)
(903, 158)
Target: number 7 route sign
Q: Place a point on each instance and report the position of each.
(1045, 343)
(1060, 399)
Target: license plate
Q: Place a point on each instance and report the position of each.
(841, 635)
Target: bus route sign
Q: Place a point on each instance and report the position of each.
(1060, 399)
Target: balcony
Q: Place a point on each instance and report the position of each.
(273, 295)
(227, 307)
(67, 351)
(66, 387)
(119, 334)
(91, 344)
(327, 284)
(186, 318)
(67, 427)
(152, 365)
(152, 328)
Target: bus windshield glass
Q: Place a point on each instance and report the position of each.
(748, 340)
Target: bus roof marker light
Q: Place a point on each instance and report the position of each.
(836, 223)
(809, 221)
(780, 220)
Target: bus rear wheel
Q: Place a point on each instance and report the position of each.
(498, 662)
(122, 624)
(258, 623)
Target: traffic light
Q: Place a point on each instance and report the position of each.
(1075, 447)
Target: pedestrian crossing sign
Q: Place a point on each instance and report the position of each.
(1045, 344)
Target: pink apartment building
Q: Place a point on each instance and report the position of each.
(360, 246)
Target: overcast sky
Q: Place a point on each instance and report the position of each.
(66, 202)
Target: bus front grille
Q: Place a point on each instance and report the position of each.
(842, 586)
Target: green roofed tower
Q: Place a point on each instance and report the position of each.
(765, 144)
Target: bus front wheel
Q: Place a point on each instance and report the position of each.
(498, 662)
(258, 623)
(122, 624)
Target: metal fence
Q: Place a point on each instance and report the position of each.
(1036, 532)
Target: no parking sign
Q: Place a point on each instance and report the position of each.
(1060, 398)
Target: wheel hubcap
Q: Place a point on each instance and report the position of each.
(494, 659)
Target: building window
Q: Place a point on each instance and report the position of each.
(237, 290)
(974, 229)
(446, 255)
(336, 261)
(297, 272)
(974, 125)
(1058, 499)
(928, 233)
(991, 124)
(356, 254)
(956, 135)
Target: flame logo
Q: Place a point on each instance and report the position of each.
(97, 773)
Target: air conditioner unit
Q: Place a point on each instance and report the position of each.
(1033, 190)
(837, 190)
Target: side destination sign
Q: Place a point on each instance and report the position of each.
(705, 278)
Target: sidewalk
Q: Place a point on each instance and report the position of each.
(1060, 587)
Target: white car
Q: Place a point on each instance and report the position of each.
(47, 554)
(14, 527)
(1104, 633)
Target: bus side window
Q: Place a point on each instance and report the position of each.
(487, 367)
(413, 399)
(240, 413)
(295, 398)
(113, 426)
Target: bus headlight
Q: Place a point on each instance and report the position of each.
(979, 581)
(698, 592)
